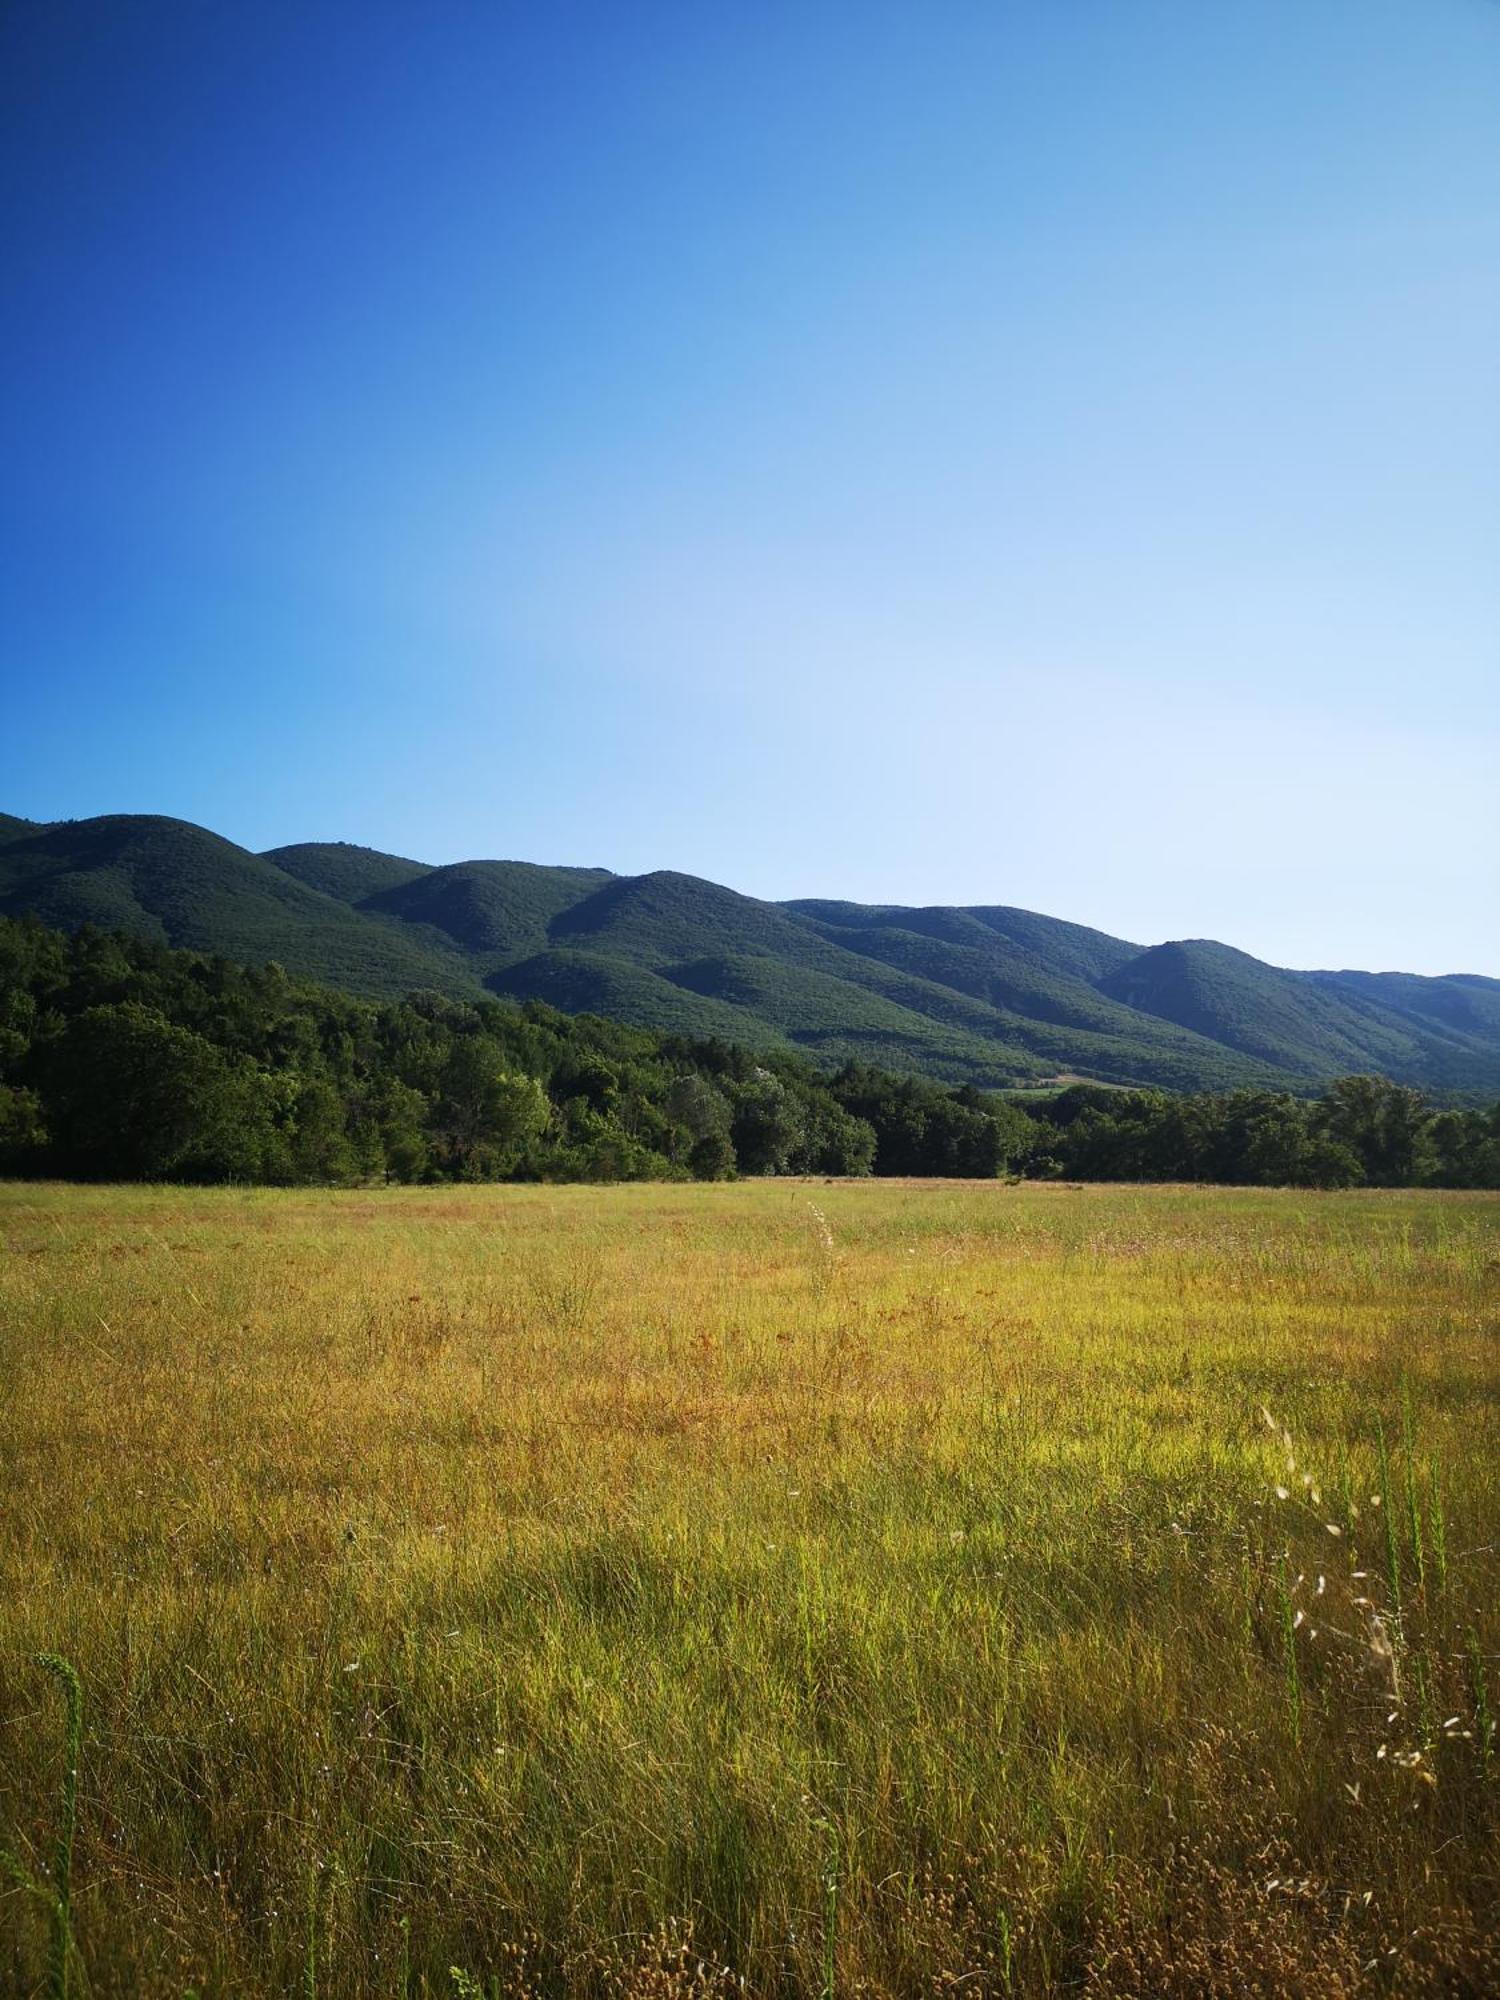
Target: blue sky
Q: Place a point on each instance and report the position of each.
(1035, 453)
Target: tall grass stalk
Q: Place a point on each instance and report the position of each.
(319, 1887)
(1291, 1673)
(1437, 1524)
(1484, 1721)
(1413, 1510)
(68, 1679)
(1392, 1532)
(831, 1883)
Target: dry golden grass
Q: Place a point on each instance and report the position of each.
(792, 1589)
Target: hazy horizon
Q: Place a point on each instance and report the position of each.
(1027, 456)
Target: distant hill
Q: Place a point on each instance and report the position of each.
(1442, 1032)
(337, 868)
(988, 994)
(166, 879)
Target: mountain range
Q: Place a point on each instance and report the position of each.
(987, 995)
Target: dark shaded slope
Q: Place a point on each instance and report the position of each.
(491, 909)
(581, 982)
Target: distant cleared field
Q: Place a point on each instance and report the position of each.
(779, 1587)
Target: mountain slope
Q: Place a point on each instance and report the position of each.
(348, 873)
(490, 909)
(806, 970)
(1464, 1005)
(1071, 950)
(987, 994)
(166, 879)
(581, 982)
(1298, 1021)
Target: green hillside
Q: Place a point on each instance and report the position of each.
(955, 949)
(831, 992)
(989, 995)
(1461, 1005)
(836, 1020)
(582, 982)
(665, 916)
(340, 869)
(1072, 950)
(490, 909)
(1298, 1021)
(177, 883)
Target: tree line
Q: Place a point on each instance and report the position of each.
(122, 1059)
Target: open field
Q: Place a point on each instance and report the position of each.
(855, 1589)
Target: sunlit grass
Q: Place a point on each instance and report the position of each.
(865, 1588)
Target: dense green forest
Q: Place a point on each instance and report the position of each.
(987, 995)
(124, 1059)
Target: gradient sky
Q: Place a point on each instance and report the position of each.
(1043, 453)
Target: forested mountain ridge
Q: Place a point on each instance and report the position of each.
(122, 1059)
(988, 995)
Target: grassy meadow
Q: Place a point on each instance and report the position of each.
(860, 1589)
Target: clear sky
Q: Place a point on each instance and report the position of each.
(1039, 451)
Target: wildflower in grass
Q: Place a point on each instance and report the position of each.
(825, 1232)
